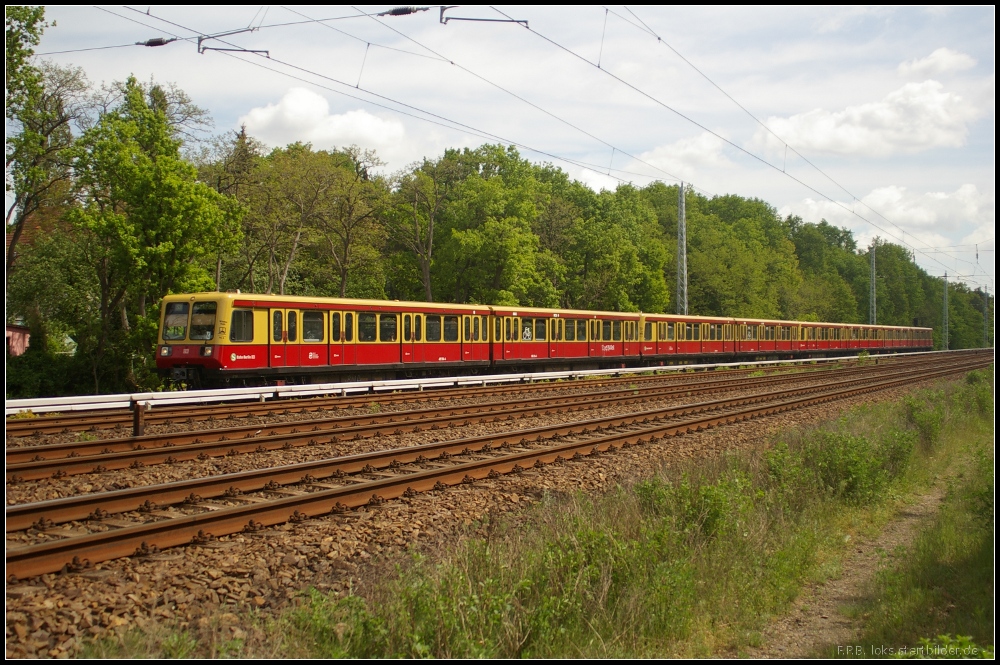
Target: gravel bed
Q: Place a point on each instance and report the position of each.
(50, 616)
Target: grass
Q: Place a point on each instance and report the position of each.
(691, 561)
(944, 584)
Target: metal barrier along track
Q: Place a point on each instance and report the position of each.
(144, 497)
(170, 414)
(194, 529)
(56, 460)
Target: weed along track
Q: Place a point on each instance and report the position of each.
(144, 520)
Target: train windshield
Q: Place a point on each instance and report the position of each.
(175, 321)
(203, 320)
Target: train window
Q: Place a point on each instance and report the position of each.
(475, 329)
(697, 332)
(417, 327)
(278, 326)
(175, 321)
(617, 331)
(671, 331)
(203, 320)
(556, 330)
(312, 326)
(367, 327)
(526, 325)
(606, 331)
(467, 328)
(595, 330)
(497, 329)
(451, 328)
(407, 327)
(387, 327)
(293, 327)
(571, 331)
(541, 326)
(507, 327)
(433, 328)
(647, 332)
(241, 327)
(581, 330)
(349, 327)
(335, 327)
(486, 328)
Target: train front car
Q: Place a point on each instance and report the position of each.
(193, 336)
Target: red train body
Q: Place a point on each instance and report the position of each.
(219, 338)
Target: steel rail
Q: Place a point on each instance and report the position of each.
(102, 402)
(80, 551)
(143, 498)
(56, 460)
(151, 497)
(93, 421)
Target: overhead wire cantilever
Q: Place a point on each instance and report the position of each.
(203, 38)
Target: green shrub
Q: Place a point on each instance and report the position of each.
(927, 419)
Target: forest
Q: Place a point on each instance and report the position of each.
(117, 198)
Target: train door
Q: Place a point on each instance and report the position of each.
(511, 328)
(284, 347)
(497, 345)
(336, 338)
(313, 349)
(480, 338)
(350, 335)
(467, 346)
(558, 334)
(407, 340)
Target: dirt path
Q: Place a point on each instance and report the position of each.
(816, 622)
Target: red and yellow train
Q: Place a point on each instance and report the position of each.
(220, 338)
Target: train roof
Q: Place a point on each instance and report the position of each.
(507, 310)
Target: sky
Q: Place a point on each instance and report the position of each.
(880, 120)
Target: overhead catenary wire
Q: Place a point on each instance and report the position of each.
(738, 147)
(93, 48)
(647, 29)
(524, 100)
(442, 121)
(489, 136)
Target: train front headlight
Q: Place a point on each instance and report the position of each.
(206, 351)
(166, 351)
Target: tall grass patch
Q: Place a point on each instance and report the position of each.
(944, 584)
(689, 561)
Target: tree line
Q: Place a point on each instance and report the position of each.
(116, 203)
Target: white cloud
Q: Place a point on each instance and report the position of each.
(688, 157)
(303, 115)
(917, 117)
(943, 212)
(922, 220)
(940, 61)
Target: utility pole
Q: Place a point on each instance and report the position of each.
(945, 317)
(682, 262)
(872, 313)
(986, 321)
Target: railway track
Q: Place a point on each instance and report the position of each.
(93, 421)
(375, 477)
(57, 460)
